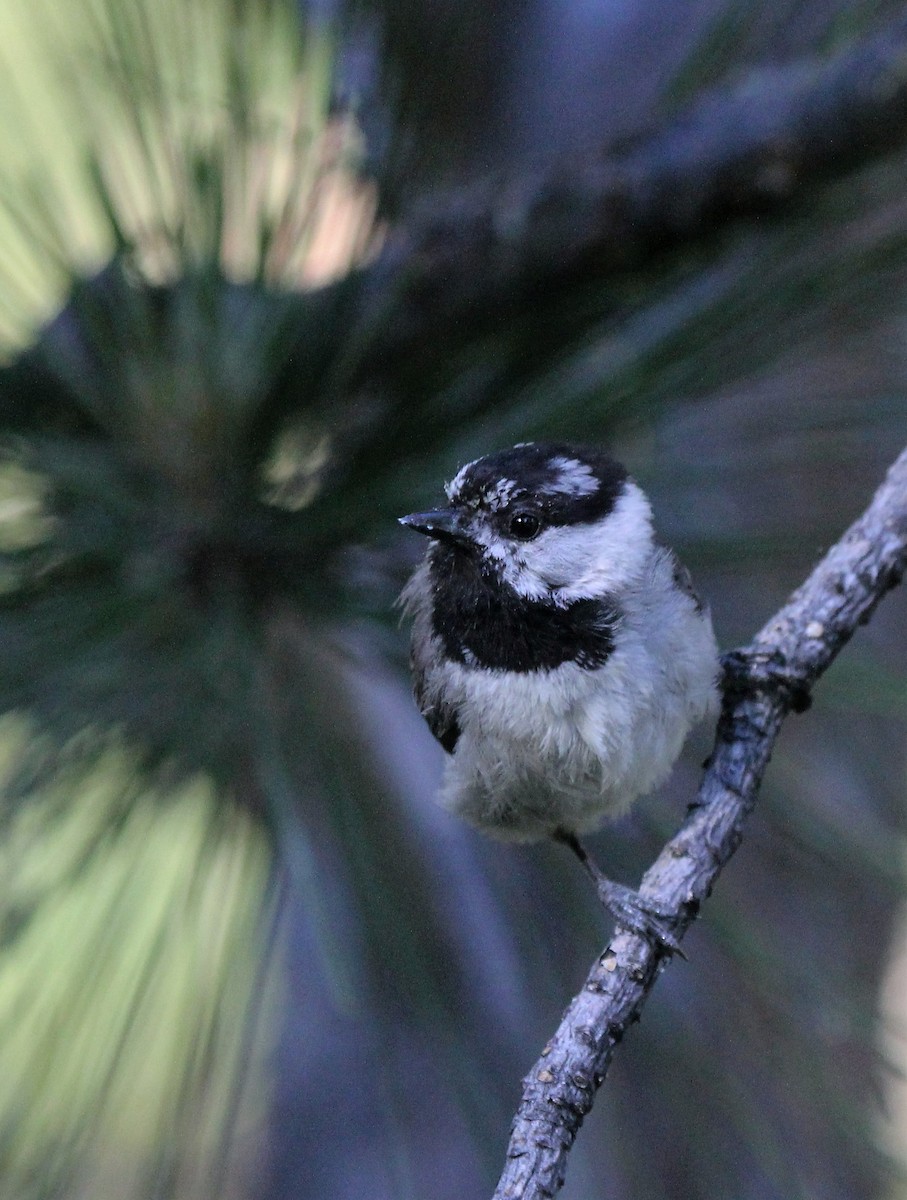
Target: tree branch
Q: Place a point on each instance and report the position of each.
(739, 149)
(764, 681)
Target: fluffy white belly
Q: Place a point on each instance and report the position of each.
(570, 748)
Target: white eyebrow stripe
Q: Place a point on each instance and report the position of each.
(501, 494)
(453, 488)
(573, 478)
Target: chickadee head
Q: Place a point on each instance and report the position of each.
(553, 522)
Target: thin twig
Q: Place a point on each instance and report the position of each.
(765, 681)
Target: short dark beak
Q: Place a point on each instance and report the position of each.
(445, 524)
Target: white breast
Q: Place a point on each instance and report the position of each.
(569, 748)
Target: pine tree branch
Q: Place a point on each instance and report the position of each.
(748, 148)
(764, 682)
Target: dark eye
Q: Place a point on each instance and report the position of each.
(525, 526)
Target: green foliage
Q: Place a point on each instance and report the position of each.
(183, 136)
(185, 143)
(127, 970)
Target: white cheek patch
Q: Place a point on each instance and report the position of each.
(606, 556)
(574, 562)
(512, 561)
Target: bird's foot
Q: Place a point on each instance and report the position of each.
(639, 915)
(630, 910)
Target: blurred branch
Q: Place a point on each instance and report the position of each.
(739, 150)
(764, 682)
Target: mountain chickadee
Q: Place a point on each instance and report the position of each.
(559, 653)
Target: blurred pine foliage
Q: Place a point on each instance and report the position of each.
(201, 675)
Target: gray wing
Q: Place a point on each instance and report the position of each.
(444, 725)
(424, 653)
(684, 581)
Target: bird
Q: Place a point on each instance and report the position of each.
(559, 652)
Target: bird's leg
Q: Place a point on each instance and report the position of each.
(629, 909)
